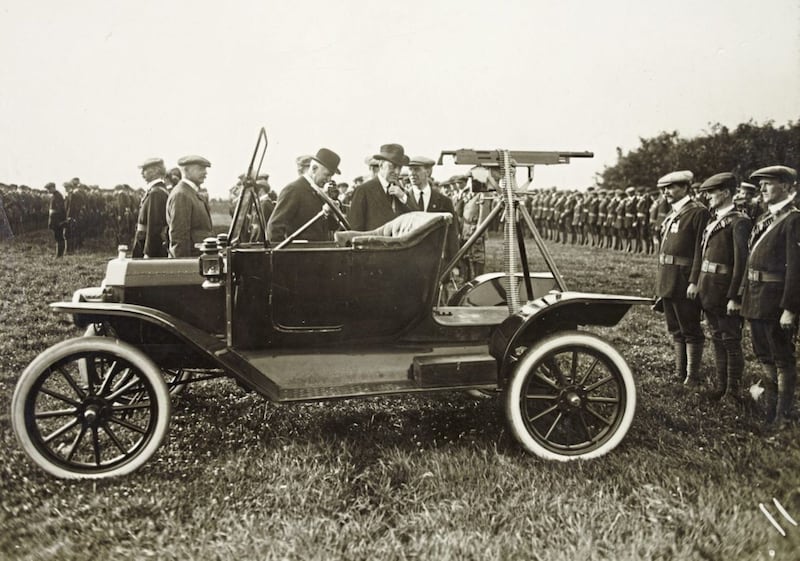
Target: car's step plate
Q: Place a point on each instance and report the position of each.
(321, 374)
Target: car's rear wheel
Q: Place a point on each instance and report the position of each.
(109, 424)
(571, 396)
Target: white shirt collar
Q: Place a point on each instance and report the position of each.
(192, 184)
(678, 205)
(425, 190)
(384, 182)
(154, 182)
(777, 207)
(723, 211)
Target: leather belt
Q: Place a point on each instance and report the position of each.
(764, 276)
(665, 259)
(641, 214)
(601, 214)
(629, 215)
(715, 268)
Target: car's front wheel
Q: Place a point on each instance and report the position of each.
(108, 424)
(571, 396)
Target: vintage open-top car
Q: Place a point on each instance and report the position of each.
(298, 321)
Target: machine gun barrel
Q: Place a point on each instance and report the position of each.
(522, 158)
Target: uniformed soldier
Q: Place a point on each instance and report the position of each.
(57, 215)
(643, 238)
(151, 226)
(748, 200)
(629, 222)
(724, 252)
(679, 262)
(771, 291)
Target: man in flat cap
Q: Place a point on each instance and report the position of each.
(299, 202)
(151, 227)
(679, 261)
(771, 289)
(188, 215)
(378, 200)
(302, 163)
(426, 198)
(724, 255)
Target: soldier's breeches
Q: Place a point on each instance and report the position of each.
(771, 344)
(683, 320)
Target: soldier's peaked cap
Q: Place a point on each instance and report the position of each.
(421, 161)
(683, 176)
(151, 162)
(781, 173)
(725, 180)
(199, 160)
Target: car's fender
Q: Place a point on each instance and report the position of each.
(554, 312)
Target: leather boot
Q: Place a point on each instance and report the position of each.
(680, 360)
(720, 370)
(733, 349)
(770, 393)
(787, 380)
(694, 356)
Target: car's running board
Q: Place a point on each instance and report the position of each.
(316, 374)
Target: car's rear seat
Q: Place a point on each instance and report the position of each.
(403, 231)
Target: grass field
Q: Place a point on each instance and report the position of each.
(436, 477)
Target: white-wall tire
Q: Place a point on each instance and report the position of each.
(107, 425)
(570, 396)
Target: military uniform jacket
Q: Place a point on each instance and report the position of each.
(681, 236)
(297, 204)
(153, 220)
(189, 220)
(371, 207)
(57, 212)
(776, 251)
(724, 258)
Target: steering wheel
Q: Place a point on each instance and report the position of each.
(337, 213)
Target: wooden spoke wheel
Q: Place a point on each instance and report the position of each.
(571, 396)
(89, 408)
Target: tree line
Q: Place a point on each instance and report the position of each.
(741, 151)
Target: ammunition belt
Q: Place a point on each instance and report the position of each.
(715, 268)
(676, 260)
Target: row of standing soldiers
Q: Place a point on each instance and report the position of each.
(717, 262)
(622, 219)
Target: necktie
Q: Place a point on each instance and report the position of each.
(421, 201)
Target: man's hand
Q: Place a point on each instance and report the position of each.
(326, 209)
(691, 291)
(788, 320)
(397, 191)
(733, 308)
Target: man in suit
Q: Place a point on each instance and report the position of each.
(151, 226)
(188, 215)
(679, 264)
(299, 202)
(422, 196)
(724, 254)
(771, 290)
(378, 200)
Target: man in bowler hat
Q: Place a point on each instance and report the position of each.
(188, 215)
(379, 200)
(299, 202)
(724, 253)
(679, 263)
(771, 289)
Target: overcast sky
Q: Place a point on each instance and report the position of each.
(91, 88)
